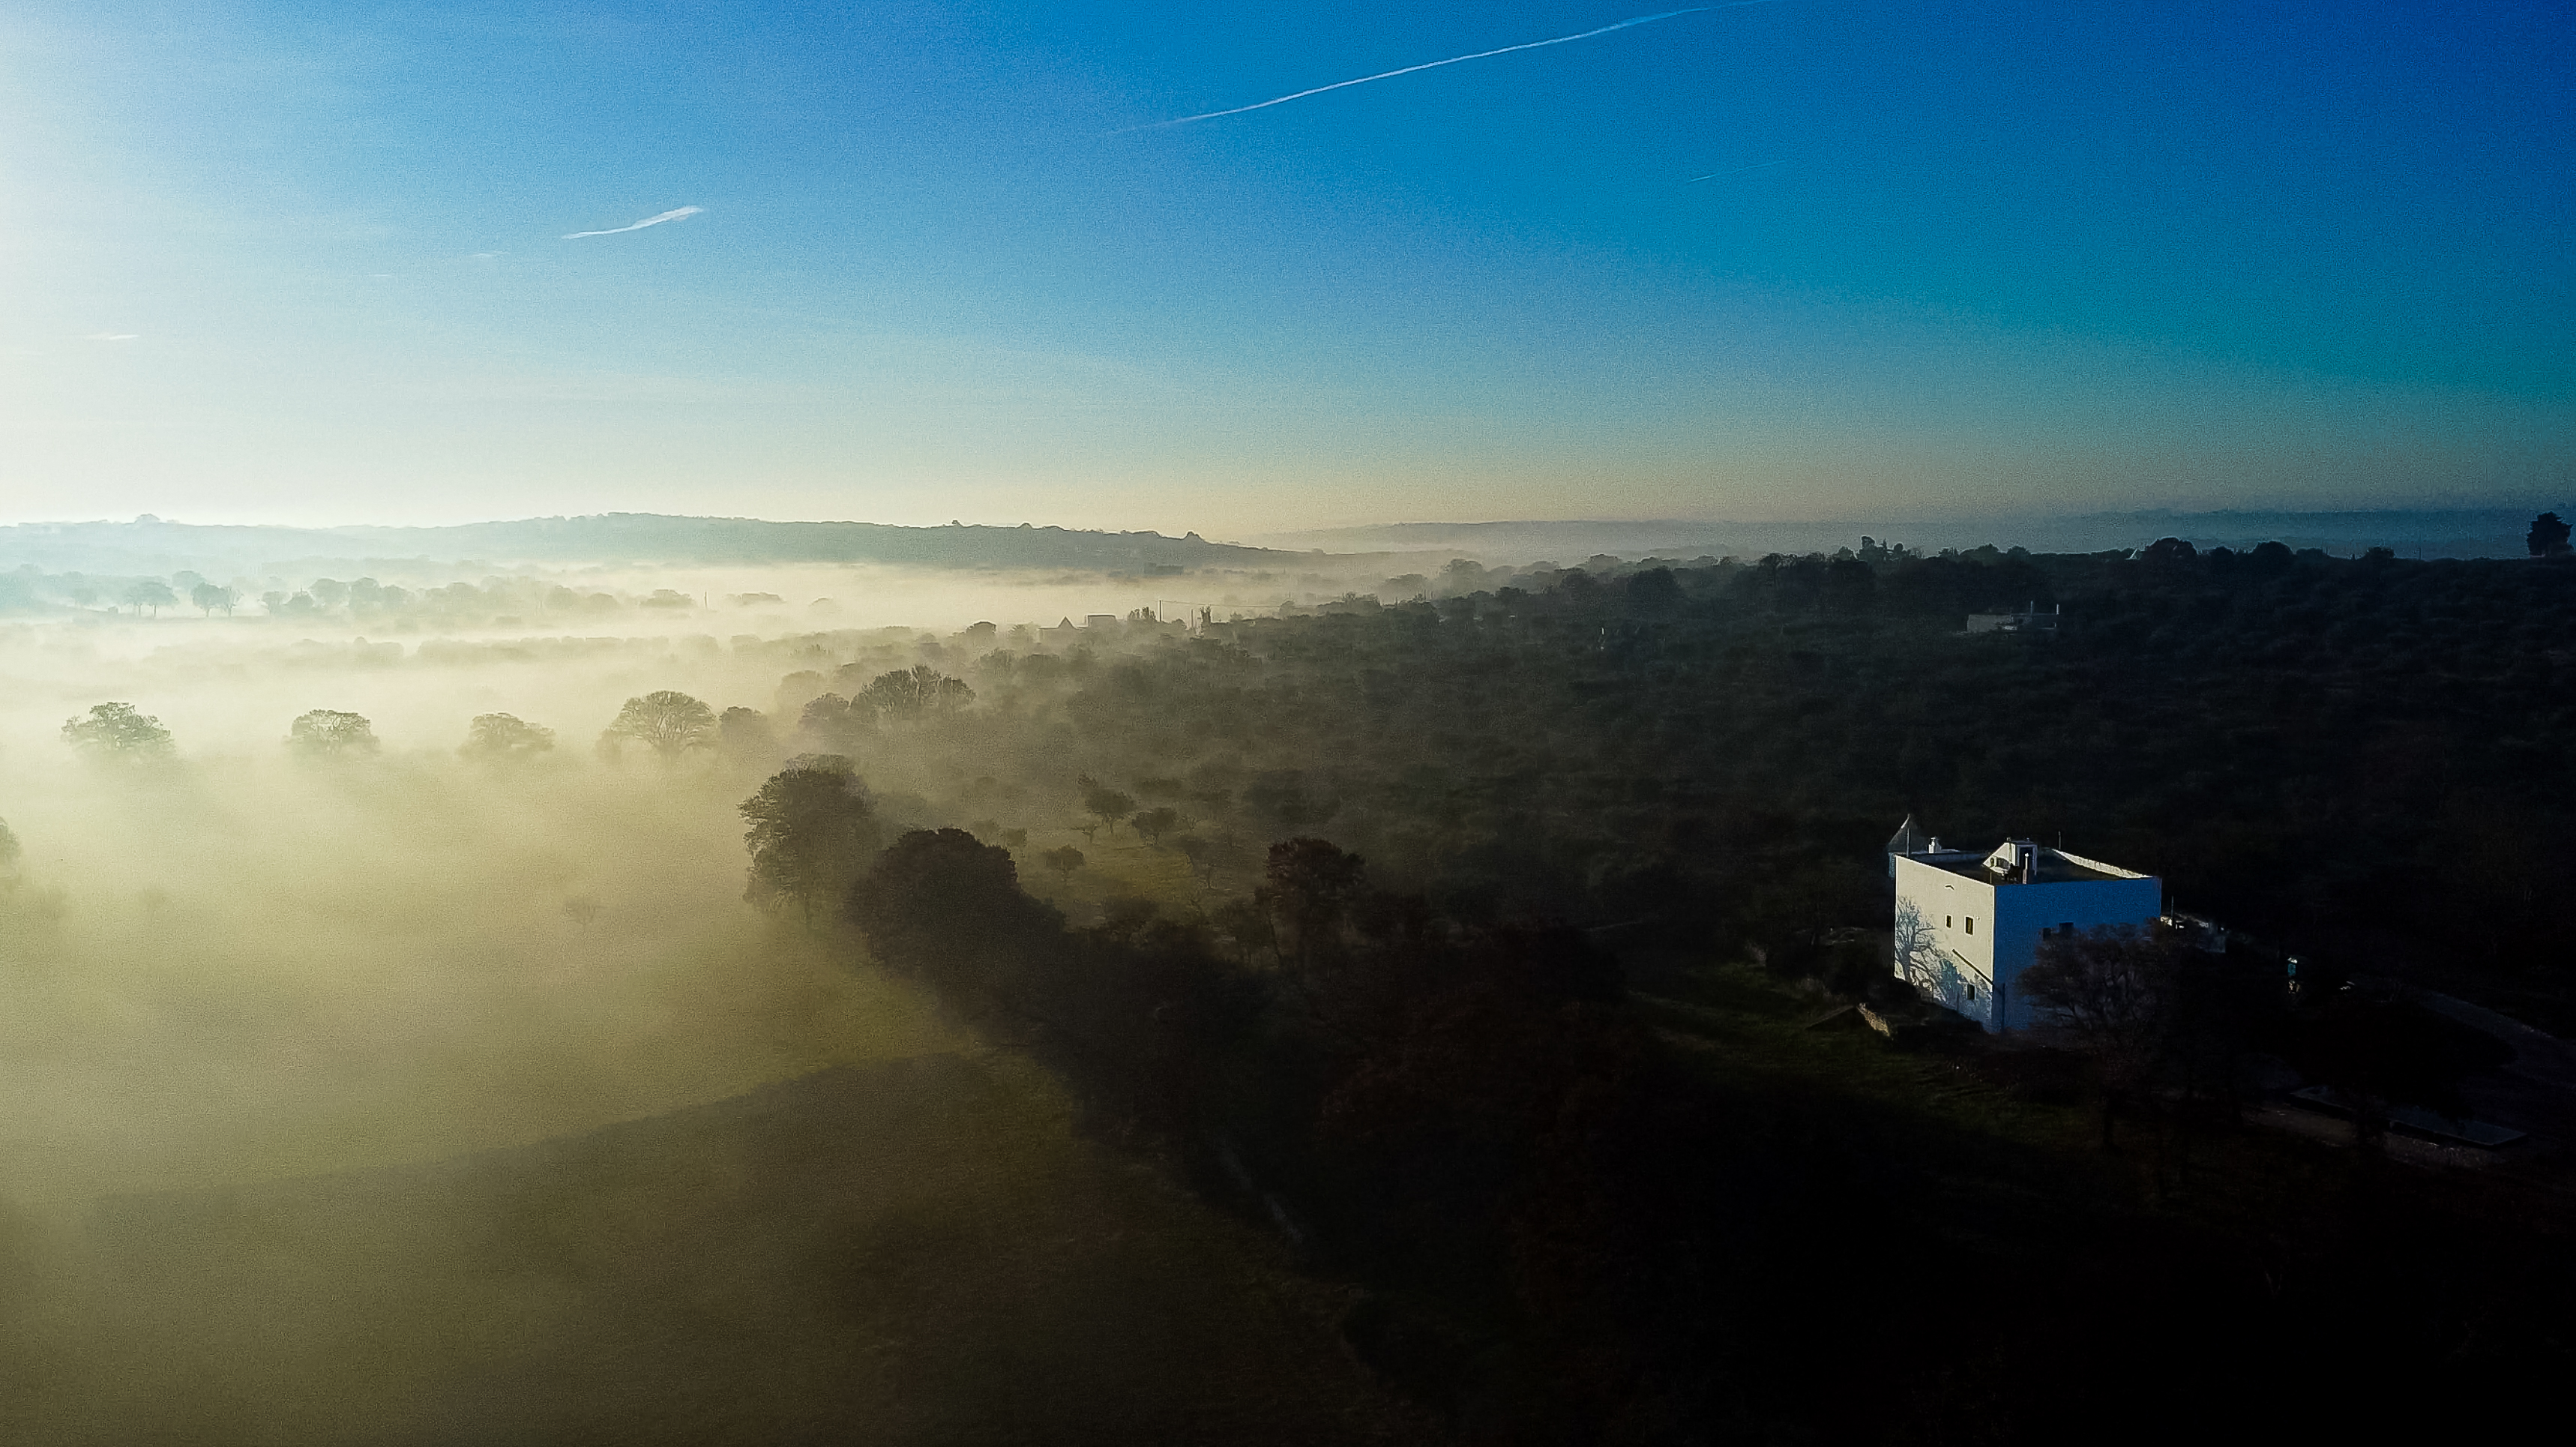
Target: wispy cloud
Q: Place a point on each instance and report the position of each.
(111, 336)
(1436, 64)
(681, 214)
(1738, 171)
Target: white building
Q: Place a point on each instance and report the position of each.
(1969, 922)
(2028, 620)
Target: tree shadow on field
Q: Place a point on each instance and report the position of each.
(912, 1252)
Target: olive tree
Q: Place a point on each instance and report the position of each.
(150, 593)
(2111, 992)
(1103, 803)
(1153, 824)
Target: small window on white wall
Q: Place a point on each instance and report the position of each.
(1949, 922)
(1972, 924)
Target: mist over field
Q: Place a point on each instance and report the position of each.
(235, 963)
(238, 962)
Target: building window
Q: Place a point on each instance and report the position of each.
(1972, 924)
(1949, 922)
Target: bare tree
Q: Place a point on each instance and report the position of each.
(2111, 992)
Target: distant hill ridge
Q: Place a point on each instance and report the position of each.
(2482, 532)
(151, 545)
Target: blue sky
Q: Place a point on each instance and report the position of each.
(304, 262)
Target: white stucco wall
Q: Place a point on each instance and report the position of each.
(1982, 961)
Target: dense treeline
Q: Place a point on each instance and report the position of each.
(2354, 757)
(1459, 1115)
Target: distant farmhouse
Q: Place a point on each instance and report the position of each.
(2028, 620)
(1968, 922)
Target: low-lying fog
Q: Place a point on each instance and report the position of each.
(412, 1096)
(242, 964)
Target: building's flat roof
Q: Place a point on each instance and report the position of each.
(2055, 867)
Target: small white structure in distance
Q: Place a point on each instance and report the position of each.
(2028, 620)
(1968, 922)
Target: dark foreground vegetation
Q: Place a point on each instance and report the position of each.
(1483, 1053)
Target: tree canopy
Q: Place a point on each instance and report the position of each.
(918, 693)
(326, 733)
(2548, 536)
(150, 593)
(117, 731)
(812, 832)
(503, 738)
(745, 734)
(668, 722)
(1103, 803)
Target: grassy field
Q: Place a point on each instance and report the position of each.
(912, 1252)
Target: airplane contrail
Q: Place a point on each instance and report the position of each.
(1738, 171)
(682, 213)
(1436, 64)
